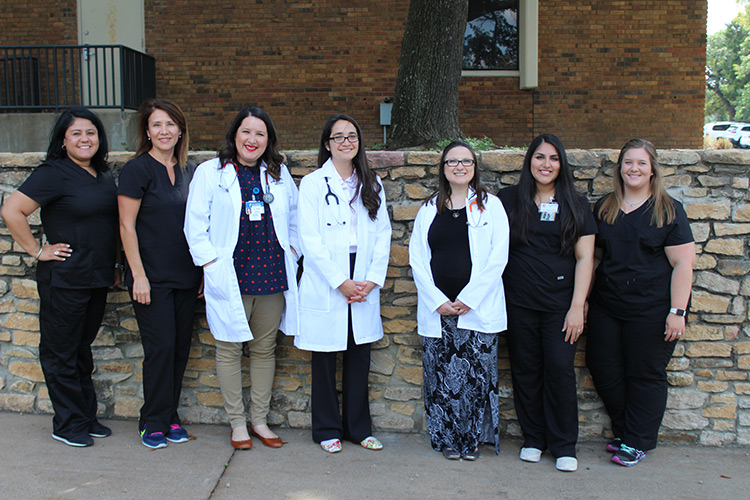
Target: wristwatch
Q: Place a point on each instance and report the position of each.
(678, 312)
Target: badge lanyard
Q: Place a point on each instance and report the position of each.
(255, 208)
(548, 211)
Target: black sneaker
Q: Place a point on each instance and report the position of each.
(98, 430)
(628, 456)
(78, 441)
(614, 445)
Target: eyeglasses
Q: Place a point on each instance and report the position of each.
(467, 162)
(339, 139)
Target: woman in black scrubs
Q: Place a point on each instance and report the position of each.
(637, 308)
(78, 197)
(161, 277)
(546, 281)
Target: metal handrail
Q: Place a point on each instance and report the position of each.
(55, 77)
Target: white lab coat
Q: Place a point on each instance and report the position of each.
(324, 236)
(489, 238)
(212, 226)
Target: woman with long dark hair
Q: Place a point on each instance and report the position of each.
(345, 235)
(77, 194)
(160, 274)
(241, 226)
(638, 305)
(457, 252)
(546, 282)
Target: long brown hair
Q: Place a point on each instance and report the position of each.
(368, 188)
(662, 204)
(143, 145)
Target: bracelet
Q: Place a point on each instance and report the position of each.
(40, 252)
(119, 266)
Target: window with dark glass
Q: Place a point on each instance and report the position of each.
(491, 37)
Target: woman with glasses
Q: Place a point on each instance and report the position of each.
(241, 226)
(457, 252)
(346, 236)
(546, 282)
(161, 277)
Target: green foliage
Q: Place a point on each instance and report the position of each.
(728, 71)
(483, 144)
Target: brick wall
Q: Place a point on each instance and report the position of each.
(709, 375)
(608, 70)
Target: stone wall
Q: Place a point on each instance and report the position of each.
(709, 375)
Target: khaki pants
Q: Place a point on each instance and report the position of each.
(264, 314)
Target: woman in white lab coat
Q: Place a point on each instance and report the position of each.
(457, 252)
(241, 225)
(345, 235)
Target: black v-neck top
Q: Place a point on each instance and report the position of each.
(634, 278)
(161, 218)
(81, 210)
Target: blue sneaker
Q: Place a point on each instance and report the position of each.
(628, 456)
(177, 434)
(153, 440)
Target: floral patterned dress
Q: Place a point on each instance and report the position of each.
(462, 404)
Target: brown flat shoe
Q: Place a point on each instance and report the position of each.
(274, 442)
(240, 445)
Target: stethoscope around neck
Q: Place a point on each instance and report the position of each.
(334, 211)
(267, 196)
(469, 217)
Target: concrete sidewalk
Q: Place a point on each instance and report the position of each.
(34, 466)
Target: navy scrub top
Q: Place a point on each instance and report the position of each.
(634, 278)
(537, 277)
(161, 218)
(81, 210)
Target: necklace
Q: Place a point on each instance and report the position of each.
(633, 205)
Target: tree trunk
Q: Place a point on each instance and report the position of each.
(425, 108)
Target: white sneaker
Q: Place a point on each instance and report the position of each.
(567, 464)
(531, 454)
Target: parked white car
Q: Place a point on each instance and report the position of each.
(743, 139)
(718, 130)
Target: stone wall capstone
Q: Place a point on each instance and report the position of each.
(709, 374)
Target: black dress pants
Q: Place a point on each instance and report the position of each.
(69, 320)
(628, 363)
(166, 327)
(355, 424)
(544, 380)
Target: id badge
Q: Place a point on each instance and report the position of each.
(254, 209)
(548, 211)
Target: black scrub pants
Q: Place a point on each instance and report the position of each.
(69, 320)
(628, 363)
(166, 327)
(355, 424)
(544, 380)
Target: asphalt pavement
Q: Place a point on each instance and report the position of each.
(34, 466)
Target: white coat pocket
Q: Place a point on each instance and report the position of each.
(215, 285)
(314, 294)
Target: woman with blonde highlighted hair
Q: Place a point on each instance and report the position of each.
(638, 305)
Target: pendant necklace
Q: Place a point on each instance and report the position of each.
(633, 205)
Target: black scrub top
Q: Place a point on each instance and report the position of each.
(634, 278)
(81, 210)
(537, 277)
(448, 238)
(160, 221)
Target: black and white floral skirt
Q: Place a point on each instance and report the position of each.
(461, 398)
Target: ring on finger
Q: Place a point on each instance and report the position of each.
(56, 252)
(578, 331)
